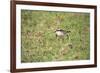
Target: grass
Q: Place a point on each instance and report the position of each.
(40, 44)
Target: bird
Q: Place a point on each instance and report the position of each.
(61, 33)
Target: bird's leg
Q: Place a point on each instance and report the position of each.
(57, 37)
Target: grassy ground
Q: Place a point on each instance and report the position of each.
(40, 44)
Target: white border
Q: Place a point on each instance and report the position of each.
(51, 64)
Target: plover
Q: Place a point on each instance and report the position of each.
(61, 33)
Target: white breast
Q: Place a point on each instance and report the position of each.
(59, 33)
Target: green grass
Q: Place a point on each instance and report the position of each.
(40, 44)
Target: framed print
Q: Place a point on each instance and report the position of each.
(52, 36)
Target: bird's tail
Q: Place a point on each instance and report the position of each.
(68, 31)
